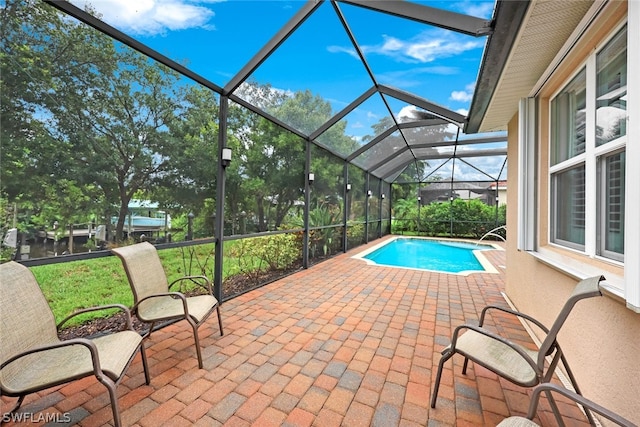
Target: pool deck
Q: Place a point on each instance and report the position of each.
(343, 343)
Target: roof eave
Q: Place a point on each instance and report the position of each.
(508, 18)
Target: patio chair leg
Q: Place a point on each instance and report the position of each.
(12, 410)
(148, 333)
(445, 356)
(145, 365)
(219, 319)
(554, 408)
(111, 388)
(464, 366)
(194, 326)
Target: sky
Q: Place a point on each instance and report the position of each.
(217, 38)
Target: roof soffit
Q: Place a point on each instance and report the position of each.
(544, 30)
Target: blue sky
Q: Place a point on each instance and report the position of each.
(217, 38)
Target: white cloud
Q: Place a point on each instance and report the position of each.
(426, 47)
(372, 116)
(430, 50)
(410, 77)
(407, 113)
(150, 17)
(452, 129)
(465, 95)
(459, 95)
(342, 49)
(479, 9)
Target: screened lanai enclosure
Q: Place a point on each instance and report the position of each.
(272, 133)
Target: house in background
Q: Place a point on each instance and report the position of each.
(557, 75)
(499, 189)
(491, 194)
(144, 218)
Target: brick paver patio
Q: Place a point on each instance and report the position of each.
(342, 343)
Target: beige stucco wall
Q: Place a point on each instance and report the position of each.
(601, 338)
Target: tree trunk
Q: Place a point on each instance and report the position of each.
(261, 222)
(122, 216)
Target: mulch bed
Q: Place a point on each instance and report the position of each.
(101, 325)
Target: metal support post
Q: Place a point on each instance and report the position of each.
(307, 202)
(219, 224)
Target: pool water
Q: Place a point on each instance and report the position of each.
(433, 255)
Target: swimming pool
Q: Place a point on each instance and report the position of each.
(458, 257)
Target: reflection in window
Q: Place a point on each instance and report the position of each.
(568, 220)
(612, 170)
(611, 97)
(568, 120)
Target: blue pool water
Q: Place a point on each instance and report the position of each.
(435, 255)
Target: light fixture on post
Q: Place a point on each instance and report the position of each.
(190, 217)
(369, 193)
(226, 157)
(348, 187)
(312, 177)
(382, 196)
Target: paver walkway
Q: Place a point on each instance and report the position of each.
(342, 343)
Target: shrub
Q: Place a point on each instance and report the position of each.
(355, 231)
(275, 252)
(462, 218)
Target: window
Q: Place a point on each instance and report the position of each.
(611, 95)
(587, 156)
(569, 111)
(611, 212)
(568, 194)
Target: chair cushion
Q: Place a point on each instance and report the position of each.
(517, 422)
(26, 320)
(498, 357)
(56, 366)
(166, 307)
(144, 269)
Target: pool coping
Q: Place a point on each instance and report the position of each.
(486, 264)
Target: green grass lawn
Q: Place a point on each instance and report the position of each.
(71, 286)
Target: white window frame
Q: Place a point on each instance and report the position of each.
(527, 148)
(627, 287)
(632, 196)
(578, 160)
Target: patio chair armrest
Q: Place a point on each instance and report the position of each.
(515, 313)
(194, 279)
(93, 350)
(496, 337)
(99, 308)
(178, 295)
(583, 401)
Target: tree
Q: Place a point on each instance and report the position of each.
(275, 168)
(190, 182)
(107, 118)
(117, 117)
(39, 48)
(273, 159)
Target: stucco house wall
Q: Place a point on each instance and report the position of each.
(601, 338)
